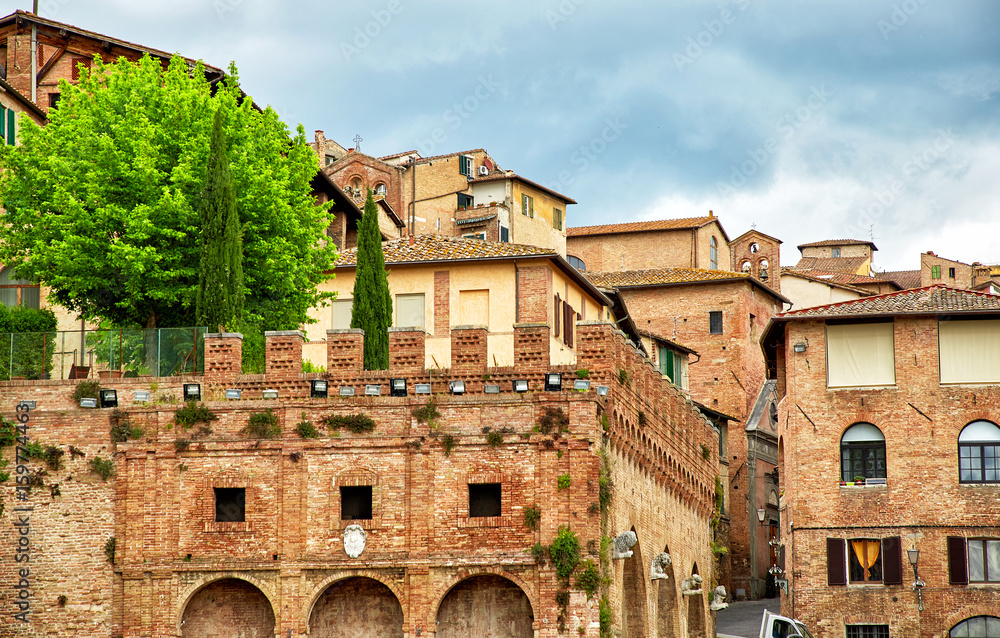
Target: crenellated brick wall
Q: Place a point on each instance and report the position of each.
(223, 356)
(283, 354)
(345, 350)
(406, 350)
(468, 349)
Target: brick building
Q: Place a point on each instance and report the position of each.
(419, 522)
(888, 439)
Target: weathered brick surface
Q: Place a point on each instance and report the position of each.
(345, 350)
(468, 349)
(531, 347)
(283, 354)
(534, 295)
(442, 302)
(223, 356)
(923, 502)
(406, 350)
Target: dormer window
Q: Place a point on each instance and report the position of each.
(835, 252)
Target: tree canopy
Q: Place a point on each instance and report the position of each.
(372, 307)
(102, 204)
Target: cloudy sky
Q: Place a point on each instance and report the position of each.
(861, 119)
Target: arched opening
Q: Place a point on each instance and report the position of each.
(228, 607)
(666, 603)
(358, 606)
(634, 595)
(487, 606)
(978, 450)
(862, 453)
(696, 610)
(978, 627)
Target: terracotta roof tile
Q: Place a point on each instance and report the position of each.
(439, 248)
(841, 280)
(937, 299)
(633, 227)
(831, 264)
(905, 279)
(660, 276)
(837, 242)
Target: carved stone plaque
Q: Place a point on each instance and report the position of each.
(354, 540)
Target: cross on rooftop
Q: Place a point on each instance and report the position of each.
(357, 142)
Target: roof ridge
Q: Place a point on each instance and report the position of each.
(895, 293)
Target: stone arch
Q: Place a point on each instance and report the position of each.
(633, 623)
(356, 605)
(233, 602)
(488, 605)
(696, 610)
(666, 603)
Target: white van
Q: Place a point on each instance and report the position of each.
(775, 626)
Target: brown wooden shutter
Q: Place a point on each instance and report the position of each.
(568, 327)
(836, 561)
(958, 562)
(555, 315)
(892, 561)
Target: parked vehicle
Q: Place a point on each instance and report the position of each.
(775, 626)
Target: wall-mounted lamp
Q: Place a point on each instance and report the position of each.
(761, 513)
(520, 385)
(553, 382)
(88, 402)
(914, 555)
(109, 398)
(422, 388)
(270, 394)
(192, 392)
(491, 388)
(397, 387)
(28, 405)
(234, 393)
(140, 396)
(346, 391)
(801, 346)
(318, 388)
(602, 390)
(457, 386)
(373, 390)
(581, 384)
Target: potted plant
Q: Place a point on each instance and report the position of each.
(859, 480)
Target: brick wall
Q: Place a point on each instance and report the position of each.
(223, 356)
(283, 354)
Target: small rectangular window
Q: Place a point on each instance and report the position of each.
(504, 234)
(410, 310)
(715, 322)
(867, 631)
(835, 252)
(527, 205)
(935, 272)
(484, 499)
(230, 504)
(557, 219)
(465, 201)
(54, 100)
(340, 315)
(951, 273)
(355, 502)
(466, 164)
(864, 560)
(984, 561)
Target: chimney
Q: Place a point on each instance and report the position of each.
(320, 148)
(710, 214)
(412, 240)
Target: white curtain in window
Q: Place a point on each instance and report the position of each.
(860, 354)
(341, 314)
(410, 311)
(970, 351)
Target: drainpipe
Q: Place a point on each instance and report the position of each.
(413, 196)
(34, 55)
(517, 294)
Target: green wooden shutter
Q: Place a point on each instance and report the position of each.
(10, 126)
(3, 122)
(667, 362)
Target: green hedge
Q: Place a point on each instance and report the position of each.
(27, 342)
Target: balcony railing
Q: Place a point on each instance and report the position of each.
(106, 353)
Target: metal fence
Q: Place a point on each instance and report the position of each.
(79, 354)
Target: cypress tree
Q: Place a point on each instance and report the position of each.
(372, 308)
(220, 279)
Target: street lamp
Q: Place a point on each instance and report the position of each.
(913, 555)
(760, 515)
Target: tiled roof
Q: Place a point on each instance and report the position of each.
(839, 280)
(937, 299)
(838, 242)
(847, 278)
(660, 276)
(905, 279)
(439, 248)
(635, 227)
(670, 342)
(498, 174)
(831, 264)
(475, 220)
(395, 155)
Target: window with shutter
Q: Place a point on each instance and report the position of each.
(958, 573)
(568, 324)
(556, 312)
(836, 562)
(10, 127)
(3, 122)
(892, 561)
(667, 362)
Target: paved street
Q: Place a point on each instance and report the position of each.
(742, 618)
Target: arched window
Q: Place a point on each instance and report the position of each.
(862, 452)
(979, 453)
(978, 627)
(576, 262)
(745, 266)
(713, 253)
(380, 190)
(17, 292)
(762, 269)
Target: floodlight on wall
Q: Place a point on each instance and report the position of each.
(27, 405)
(373, 390)
(234, 393)
(346, 391)
(318, 388)
(270, 393)
(491, 388)
(109, 398)
(520, 385)
(422, 388)
(397, 387)
(553, 382)
(140, 396)
(602, 390)
(457, 386)
(192, 392)
(88, 402)
(801, 346)
(581, 384)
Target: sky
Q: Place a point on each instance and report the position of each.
(860, 119)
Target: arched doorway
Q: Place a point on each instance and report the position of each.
(696, 610)
(487, 607)
(666, 603)
(634, 595)
(228, 608)
(361, 607)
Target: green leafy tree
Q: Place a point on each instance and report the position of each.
(102, 204)
(220, 286)
(372, 307)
